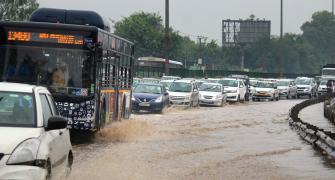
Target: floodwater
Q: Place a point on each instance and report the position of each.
(239, 141)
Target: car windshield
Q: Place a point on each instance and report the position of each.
(149, 89)
(265, 85)
(180, 87)
(17, 110)
(323, 83)
(229, 83)
(283, 83)
(253, 82)
(210, 88)
(166, 84)
(303, 82)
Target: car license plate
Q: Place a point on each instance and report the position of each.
(144, 104)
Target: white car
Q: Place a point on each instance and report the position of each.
(234, 88)
(266, 90)
(212, 94)
(184, 92)
(34, 141)
(287, 88)
(322, 89)
(306, 87)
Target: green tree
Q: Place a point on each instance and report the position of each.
(320, 33)
(145, 30)
(17, 10)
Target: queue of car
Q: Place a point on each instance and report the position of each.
(217, 91)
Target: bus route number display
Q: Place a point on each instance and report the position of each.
(45, 37)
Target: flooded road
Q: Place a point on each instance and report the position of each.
(238, 141)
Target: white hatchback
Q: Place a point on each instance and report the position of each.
(34, 141)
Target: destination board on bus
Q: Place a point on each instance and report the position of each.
(45, 37)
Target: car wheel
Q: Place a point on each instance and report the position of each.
(49, 170)
(163, 110)
(273, 98)
(253, 99)
(221, 104)
(69, 165)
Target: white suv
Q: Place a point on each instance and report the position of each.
(306, 87)
(234, 88)
(184, 92)
(34, 141)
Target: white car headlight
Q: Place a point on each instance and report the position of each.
(159, 99)
(25, 153)
(218, 96)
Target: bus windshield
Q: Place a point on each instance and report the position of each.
(68, 71)
(328, 72)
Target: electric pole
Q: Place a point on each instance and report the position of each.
(281, 37)
(281, 19)
(167, 37)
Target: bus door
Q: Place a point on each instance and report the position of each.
(114, 96)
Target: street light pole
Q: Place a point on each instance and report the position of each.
(281, 19)
(281, 37)
(167, 38)
(333, 7)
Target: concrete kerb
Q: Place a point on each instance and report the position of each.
(320, 138)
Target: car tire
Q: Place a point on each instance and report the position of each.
(221, 104)
(49, 170)
(69, 165)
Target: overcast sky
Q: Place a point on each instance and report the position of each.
(204, 17)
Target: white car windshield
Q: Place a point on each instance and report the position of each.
(303, 81)
(210, 88)
(229, 83)
(265, 85)
(283, 83)
(17, 110)
(180, 87)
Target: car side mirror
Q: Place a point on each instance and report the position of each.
(56, 122)
(241, 86)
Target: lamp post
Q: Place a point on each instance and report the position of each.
(281, 19)
(167, 38)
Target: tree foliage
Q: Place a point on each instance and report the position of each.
(17, 10)
(294, 53)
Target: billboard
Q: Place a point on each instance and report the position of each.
(235, 32)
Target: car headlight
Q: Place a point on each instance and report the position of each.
(25, 153)
(218, 96)
(133, 98)
(159, 99)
